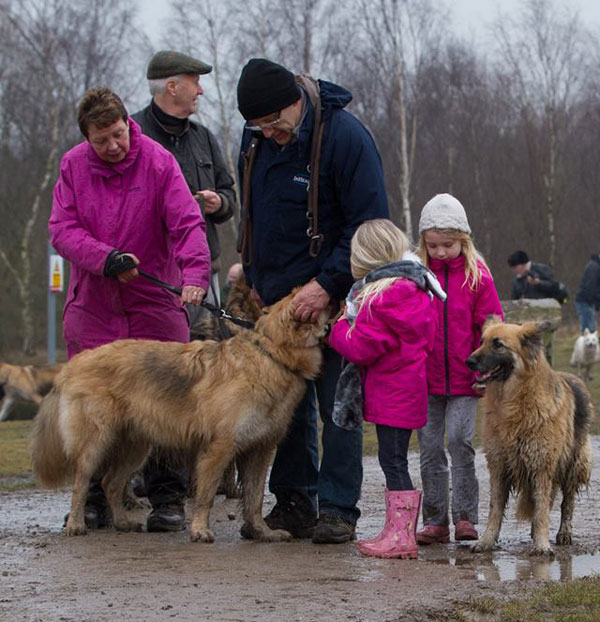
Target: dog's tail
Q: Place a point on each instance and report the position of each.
(49, 460)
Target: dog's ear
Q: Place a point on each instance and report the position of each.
(531, 338)
(586, 332)
(491, 320)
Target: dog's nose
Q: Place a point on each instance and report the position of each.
(472, 363)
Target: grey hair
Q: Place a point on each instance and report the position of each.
(159, 85)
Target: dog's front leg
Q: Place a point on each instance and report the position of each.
(499, 491)
(253, 473)
(210, 466)
(542, 497)
(565, 531)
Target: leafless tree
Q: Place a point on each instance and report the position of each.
(55, 50)
(544, 52)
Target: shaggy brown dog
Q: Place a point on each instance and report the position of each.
(535, 431)
(224, 399)
(29, 383)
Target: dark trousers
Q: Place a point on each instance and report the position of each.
(334, 485)
(393, 456)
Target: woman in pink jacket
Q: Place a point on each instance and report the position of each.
(447, 248)
(387, 330)
(121, 196)
(119, 191)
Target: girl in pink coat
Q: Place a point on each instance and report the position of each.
(387, 330)
(447, 248)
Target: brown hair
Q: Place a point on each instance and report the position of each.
(101, 107)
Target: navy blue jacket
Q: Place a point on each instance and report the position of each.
(351, 190)
(589, 288)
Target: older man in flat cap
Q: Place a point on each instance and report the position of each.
(174, 81)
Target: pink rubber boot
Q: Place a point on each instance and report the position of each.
(383, 531)
(398, 536)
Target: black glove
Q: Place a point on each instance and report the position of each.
(118, 262)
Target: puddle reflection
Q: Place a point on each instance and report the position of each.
(509, 568)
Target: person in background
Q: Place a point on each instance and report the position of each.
(532, 279)
(121, 201)
(447, 248)
(388, 329)
(298, 129)
(587, 298)
(174, 81)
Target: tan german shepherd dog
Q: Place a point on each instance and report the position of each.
(29, 383)
(535, 431)
(233, 398)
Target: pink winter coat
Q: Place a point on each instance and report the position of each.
(390, 343)
(141, 205)
(460, 319)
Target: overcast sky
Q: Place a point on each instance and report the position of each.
(471, 17)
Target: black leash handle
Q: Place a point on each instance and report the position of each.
(216, 311)
(171, 288)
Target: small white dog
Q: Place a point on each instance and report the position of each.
(585, 353)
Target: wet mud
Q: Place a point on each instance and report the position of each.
(147, 576)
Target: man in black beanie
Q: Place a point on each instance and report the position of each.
(310, 174)
(174, 81)
(532, 279)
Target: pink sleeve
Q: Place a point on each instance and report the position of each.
(487, 302)
(186, 228)
(67, 234)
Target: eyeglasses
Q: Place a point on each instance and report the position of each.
(260, 127)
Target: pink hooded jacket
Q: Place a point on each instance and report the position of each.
(390, 341)
(140, 205)
(460, 319)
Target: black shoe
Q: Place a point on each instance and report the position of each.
(333, 529)
(95, 518)
(168, 517)
(295, 515)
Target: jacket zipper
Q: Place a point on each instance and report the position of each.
(446, 361)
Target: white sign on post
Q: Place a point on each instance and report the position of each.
(56, 273)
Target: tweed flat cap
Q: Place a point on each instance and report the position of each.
(168, 63)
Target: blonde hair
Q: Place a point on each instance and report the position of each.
(467, 248)
(374, 244)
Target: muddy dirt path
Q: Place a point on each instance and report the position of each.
(140, 576)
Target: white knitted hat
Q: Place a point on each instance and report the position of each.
(444, 212)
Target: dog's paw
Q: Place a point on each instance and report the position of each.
(128, 525)
(276, 535)
(483, 547)
(541, 550)
(72, 529)
(564, 538)
(202, 535)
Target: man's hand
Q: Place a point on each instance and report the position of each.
(192, 294)
(310, 301)
(211, 200)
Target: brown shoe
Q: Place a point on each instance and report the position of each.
(433, 534)
(465, 530)
(333, 529)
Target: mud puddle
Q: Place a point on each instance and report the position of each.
(154, 577)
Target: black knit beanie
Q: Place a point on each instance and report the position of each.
(518, 258)
(265, 87)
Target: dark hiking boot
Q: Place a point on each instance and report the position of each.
(293, 514)
(333, 529)
(168, 517)
(95, 517)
